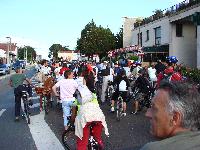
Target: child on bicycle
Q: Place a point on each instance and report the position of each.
(88, 113)
(67, 87)
(122, 85)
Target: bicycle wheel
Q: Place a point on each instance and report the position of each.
(119, 108)
(27, 109)
(45, 108)
(92, 144)
(69, 139)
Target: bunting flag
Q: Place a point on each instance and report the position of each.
(133, 48)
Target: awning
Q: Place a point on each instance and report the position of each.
(156, 49)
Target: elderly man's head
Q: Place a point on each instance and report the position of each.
(175, 108)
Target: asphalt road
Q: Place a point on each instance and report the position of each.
(45, 131)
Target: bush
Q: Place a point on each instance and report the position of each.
(193, 74)
(135, 58)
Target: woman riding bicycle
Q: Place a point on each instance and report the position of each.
(67, 87)
(89, 112)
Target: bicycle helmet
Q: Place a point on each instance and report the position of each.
(138, 62)
(171, 59)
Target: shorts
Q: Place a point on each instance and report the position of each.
(124, 95)
(140, 96)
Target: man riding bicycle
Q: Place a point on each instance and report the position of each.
(16, 81)
(122, 84)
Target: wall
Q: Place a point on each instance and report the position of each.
(68, 56)
(163, 22)
(127, 31)
(198, 46)
(184, 48)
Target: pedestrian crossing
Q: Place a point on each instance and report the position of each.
(42, 134)
(2, 111)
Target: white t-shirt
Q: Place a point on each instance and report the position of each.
(152, 74)
(110, 77)
(67, 88)
(44, 70)
(56, 71)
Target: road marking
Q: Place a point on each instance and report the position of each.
(35, 105)
(2, 111)
(42, 134)
(36, 97)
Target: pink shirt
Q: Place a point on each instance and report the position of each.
(67, 88)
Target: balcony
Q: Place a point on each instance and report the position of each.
(158, 14)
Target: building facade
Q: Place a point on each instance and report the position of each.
(176, 33)
(8, 49)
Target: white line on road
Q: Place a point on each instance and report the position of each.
(35, 105)
(42, 134)
(2, 111)
(36, 97)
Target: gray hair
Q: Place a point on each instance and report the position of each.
(185, 99)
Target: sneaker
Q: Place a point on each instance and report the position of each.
(124, 114)
(134, 113)
(16, 119)
(112, 109)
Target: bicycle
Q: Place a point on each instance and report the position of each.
(26, 107)
(119, 107)
(69, 139)
(109, 92)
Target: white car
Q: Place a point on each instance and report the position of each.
(4, 69)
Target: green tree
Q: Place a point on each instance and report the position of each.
(31, 53)
(54, 49)
(119, 39)
(95, 40)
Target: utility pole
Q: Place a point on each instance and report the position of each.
(8, 51)
(25, 54)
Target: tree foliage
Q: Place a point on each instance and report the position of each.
(95, 40)
(54, 49)
(31, 53)
(119, 39)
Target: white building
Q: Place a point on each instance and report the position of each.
(177, 33)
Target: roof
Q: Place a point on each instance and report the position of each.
(4, 46)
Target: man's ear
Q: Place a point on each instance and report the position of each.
(177, 119)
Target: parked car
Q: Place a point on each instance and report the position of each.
(19, 63)
(4, 69)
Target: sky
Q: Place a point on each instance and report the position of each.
(41, 23)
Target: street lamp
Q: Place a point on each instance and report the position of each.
(25, 53)
(8, 51)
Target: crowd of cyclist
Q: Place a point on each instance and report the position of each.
(142, 81)
(132, 81)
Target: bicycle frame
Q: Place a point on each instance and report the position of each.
(25, 106)
(119, 108)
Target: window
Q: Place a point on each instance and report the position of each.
(147, 32)
(157, 35)
(141, 39)
(179, 30)
(138, 38)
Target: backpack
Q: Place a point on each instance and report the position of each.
(122, 85)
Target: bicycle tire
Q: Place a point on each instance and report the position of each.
(28, 114)
(45, 106)
(119, 108)
(92, 144)
(69, 139)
